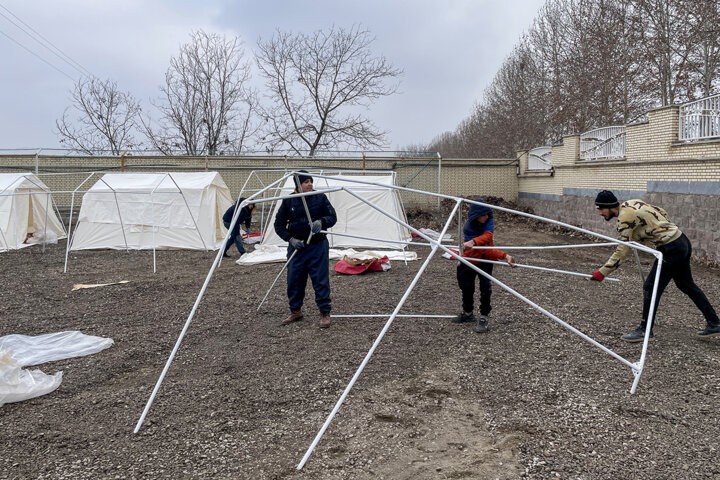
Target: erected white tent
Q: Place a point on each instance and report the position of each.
(26, 206)
(359, 225)
(138, 211)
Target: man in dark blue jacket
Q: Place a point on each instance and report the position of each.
(309, 246)
(244, 218)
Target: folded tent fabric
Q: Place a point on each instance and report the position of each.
(348, 266)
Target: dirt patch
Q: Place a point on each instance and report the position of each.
(245, 397)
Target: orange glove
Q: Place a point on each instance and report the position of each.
(597, 276)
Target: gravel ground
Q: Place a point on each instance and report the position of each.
(245, 397)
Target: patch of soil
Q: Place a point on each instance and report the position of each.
(245, 397)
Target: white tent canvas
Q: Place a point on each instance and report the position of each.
(26, 206)
(141, 211)
(359, 225)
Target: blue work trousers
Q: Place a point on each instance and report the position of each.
(235, 238)
(311, 261)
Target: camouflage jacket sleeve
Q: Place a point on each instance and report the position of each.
(625, 231)
(640, 222)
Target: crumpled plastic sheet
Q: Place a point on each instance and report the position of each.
(17, 351)
(18, 384)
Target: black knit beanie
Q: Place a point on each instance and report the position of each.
(606, 199)
(300, 178)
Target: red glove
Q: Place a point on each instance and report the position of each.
(597, 276)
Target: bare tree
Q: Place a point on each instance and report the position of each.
(206, 106)
(705, 56)
(317, 84)
(103, 118)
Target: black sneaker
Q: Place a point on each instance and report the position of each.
(636, 336)
(710, 331)
(464, 318)
(482, 324)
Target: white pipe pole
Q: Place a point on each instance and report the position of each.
(369, 354)
(72, 207)
(519, 265)
(505, 287)
(640, 365)
(546, 247)
(170, 359)
(509, 210)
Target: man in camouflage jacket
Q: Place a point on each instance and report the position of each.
(647, 224)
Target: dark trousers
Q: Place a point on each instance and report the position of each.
(312, 261)
(676, 267)
(236, 239)
(466, 281)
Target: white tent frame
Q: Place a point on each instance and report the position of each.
(122, 226)
(49, 200)
(636, 367)
(327, 174)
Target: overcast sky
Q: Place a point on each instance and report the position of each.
(449, 51)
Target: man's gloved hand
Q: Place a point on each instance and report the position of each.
(316, 226)
(296, 244)
(247, 230)
(597, 276)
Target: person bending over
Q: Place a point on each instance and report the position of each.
(644, 223)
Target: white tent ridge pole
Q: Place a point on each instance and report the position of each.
(170, 359)
(372, 348)
(547, 247)
(361, 237)
(515, 212)
(640, 365)
(72, 208)
(520, 265)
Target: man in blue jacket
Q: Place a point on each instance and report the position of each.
(309, 246)
(244, 218)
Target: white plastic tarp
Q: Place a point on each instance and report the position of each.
(153, 210)
(274, 253)
(355, 217)
(26, 206)
(17, 351)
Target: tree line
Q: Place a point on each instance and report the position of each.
(585, 64)
(317, 87)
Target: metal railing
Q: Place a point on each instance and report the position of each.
(700, 119)
(539, 158)
(604, 143)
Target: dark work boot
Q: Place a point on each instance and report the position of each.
(295, 316)
(464, 317)
(636, 336)
(709, 331)
(482, 324)
(325, 320)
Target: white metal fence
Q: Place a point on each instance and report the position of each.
(603, 143)
(700, 119)
(540, 158)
